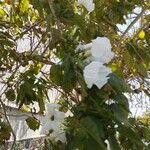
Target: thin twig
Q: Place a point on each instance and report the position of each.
(132, 23)
(50, 2)
(145, 25)
(28, 29)
(129, 27)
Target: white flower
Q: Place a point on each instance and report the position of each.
(54, 130)
(101, 50)
(96, 74)
(52, 109)
(51, 123)
(84, 46)
(98, 50)
(88, 4)
(85, 50)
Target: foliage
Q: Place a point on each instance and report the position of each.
(5, 131)
(100, 116)
(32, 123)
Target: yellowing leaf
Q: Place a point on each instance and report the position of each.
(142, 34)
(24, 5)
(113, 67)
(2, 12)
(39, 66)
(25, 108)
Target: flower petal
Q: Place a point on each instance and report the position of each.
(96, 74)
(88, 4)
(101, 50)
(44, 129)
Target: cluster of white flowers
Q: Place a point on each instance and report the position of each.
(52, 123)
(88, 4)
(96, 73)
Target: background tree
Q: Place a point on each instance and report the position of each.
(55, 29)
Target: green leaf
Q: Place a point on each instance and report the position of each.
(69, 78)
(141, 69)
(7, 42)
(120, 113)
(91, 144)
(118, 84)
(10, 95)
(82, 140)
(94, 129)
(33, 123)
(24, 5)
(56, 74)
(131, 48)
(122, 100)
(76, 141)
(128, 59)
(114, 145)
(147, 36)
(5, 131)
(2, 12)
(40, 98)
(26, 92)
(127, 132)
(83, 84)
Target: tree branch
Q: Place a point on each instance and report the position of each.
(50, 2)
(144, 26)
(28, 29)
(132, 24)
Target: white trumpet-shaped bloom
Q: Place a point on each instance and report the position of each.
(88, 4)
(51, 123)
(84, 46)
(96, 74)
(98, 50)
(101, 50)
